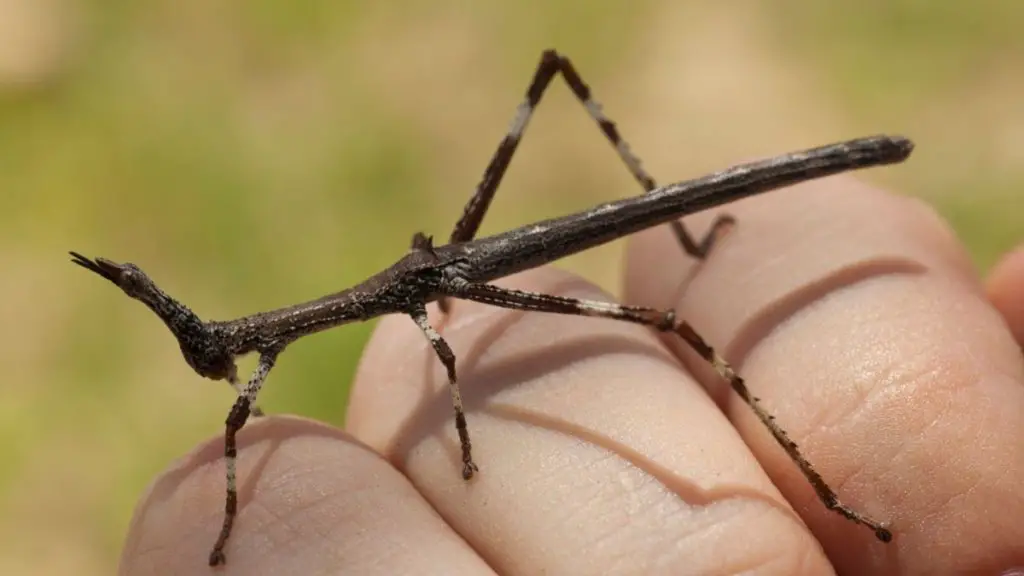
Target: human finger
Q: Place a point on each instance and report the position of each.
(1005, 287)
(598, 454)
(311, 501)
(856, 316)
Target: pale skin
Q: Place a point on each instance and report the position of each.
(853, 313)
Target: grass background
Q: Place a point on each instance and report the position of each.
(251, 154)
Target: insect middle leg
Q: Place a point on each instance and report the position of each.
(666, 321)
(447, 357)
(552, 63)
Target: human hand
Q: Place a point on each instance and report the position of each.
(855, 315)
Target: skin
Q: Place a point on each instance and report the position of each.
(855, 314)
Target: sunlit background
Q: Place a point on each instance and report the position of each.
(252, 154)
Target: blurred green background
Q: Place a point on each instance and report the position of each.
(251, 154)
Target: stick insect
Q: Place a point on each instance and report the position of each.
(464, 267)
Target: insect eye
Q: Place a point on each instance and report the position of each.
(131, 278)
